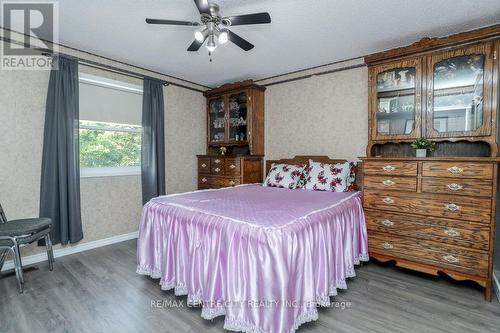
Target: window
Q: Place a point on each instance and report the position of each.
(110, 127)
(108, 148)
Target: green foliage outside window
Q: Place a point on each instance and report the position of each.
(102, 148)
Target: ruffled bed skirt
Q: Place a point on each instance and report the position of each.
(262, 279)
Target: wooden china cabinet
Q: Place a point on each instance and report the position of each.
(435, 214)
(235, 122)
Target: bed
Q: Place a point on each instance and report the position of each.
(263, 257)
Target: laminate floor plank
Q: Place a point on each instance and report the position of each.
(99, 291)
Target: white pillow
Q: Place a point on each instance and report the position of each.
(328, 177)
(284, 176)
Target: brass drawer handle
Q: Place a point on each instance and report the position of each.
(387, 223)
(451, 258)
(454, 187)
(232, 182)
(217, 169)
(232, 166)
(387, 246)
(452, 232)
(388, 182)
(455, 170)
(388, 200)
(203, 180)
(217, 161)
(389, 168)
(203, 165)
(452, 207)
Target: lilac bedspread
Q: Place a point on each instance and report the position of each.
(263, 257)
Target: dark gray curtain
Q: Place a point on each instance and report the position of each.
(153, 140)
(60, 183)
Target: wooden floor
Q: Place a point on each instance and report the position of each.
(99, 291)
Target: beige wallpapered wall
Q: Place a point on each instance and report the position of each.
(110, 205)
(320, 115)
(324, 115)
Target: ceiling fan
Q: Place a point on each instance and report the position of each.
(214, 27)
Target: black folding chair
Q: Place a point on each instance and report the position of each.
(15, 233)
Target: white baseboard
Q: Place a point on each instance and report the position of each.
(64, 251)
(496, 286)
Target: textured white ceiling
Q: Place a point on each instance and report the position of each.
(302, 33)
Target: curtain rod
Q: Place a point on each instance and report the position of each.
(116, 70)
(93, 64)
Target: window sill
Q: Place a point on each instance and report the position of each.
(109, 172)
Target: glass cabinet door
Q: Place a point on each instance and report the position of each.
(216, 120)
(237, 121)
(458, 93)
(397, 100)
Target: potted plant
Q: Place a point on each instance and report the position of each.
(422, 145)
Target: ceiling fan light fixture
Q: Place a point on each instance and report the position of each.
(223, 37)
(214, 28)
(211, 46)
(200, 35)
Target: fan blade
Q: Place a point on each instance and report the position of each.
(171, 22)
(202, 6)
(257, 18)
(239, 41)
(195, 45)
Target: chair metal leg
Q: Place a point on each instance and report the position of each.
(3, 256)
(19, 268)
(50, 252)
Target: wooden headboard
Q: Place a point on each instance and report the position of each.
(304, 159)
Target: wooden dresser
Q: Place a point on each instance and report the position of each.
(432, 214)
(436, 213)
(218, 171)
(235, 123)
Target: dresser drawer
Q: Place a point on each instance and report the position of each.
(457, 169)
(428, 252)
(217, 166)
(390, 183)
(228, 182)
(448, 206)
(458, 186)
(397, 168)
(204, 165)
(210, 181)
(214, 181)
(459, 233)
(232, 166)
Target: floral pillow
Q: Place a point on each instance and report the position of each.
(352, 177)
(284, 176)
(337, 177)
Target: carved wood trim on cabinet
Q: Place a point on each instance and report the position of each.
(429, 44)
